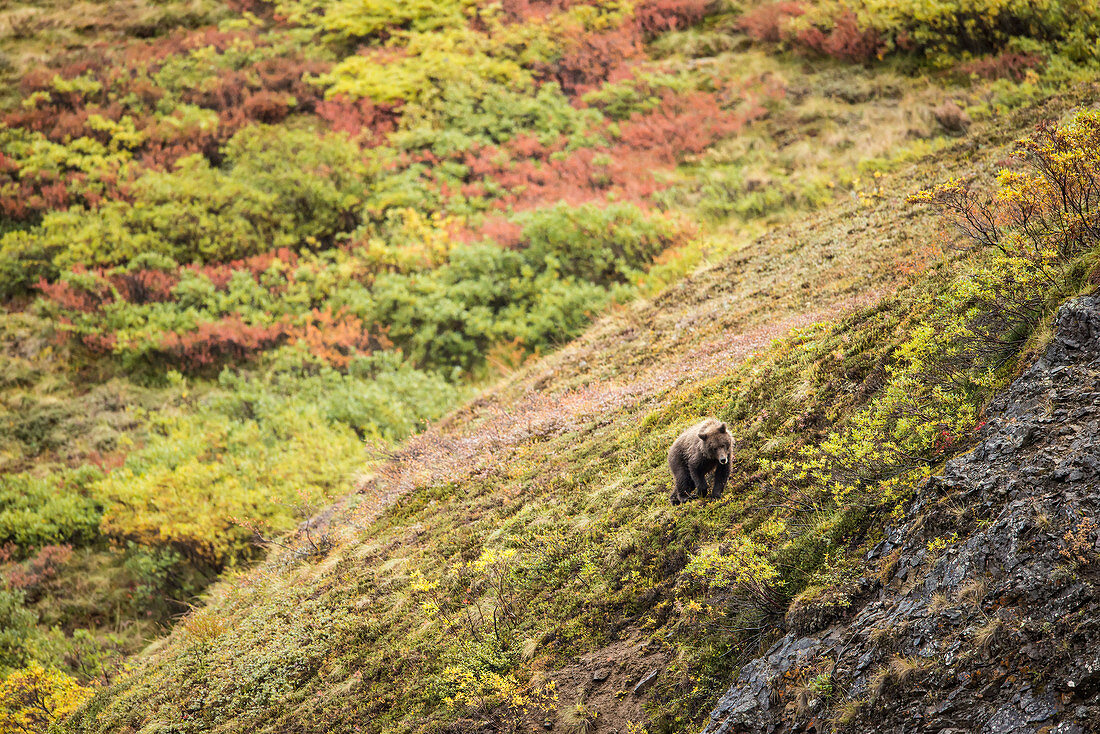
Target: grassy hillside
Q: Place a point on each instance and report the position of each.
(532, 544)
(247, 251)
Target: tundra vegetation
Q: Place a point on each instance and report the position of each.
(249, 249)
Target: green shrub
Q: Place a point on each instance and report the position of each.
(380, 396)
(204, 478)
(858, 30)
(279, 189)
(52, 509)
(613, 244)
(17, 629)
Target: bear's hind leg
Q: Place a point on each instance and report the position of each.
(684, 486)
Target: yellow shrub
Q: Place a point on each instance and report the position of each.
(33, 698)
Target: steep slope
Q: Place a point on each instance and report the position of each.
(983, 613)
(355, 267)
(519, 563)
(243, 241)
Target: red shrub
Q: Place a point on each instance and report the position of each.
(145, 286)
(593, 57)
(504, 232)
(168, 141)
(256, 7)
(72, 299)
(100, 343)
(31, 574)
(681, 125)
(357, 117)
(229, 339)
(1008, 65)
(845, 40)
(528, 146)
(766, 22)
(337, 337)
(655, 17)
(333, 336)
(265, 106)
(221, 273)
(521, 11)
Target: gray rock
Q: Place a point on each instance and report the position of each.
(645, 682)
(1020, 653)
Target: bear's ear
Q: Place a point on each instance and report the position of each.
(721, 427)
(703, 435)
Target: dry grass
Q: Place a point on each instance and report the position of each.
(903, 668)
(580, 719)
(897, 671)
(846, 713)
(203, 626)
(987, 636)
(887, 636)
(972, 593)
(889, 566)
(958, 511)
(940, 602)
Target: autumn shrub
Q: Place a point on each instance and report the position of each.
(380, 396)
(357, 21)
(655, 17)
(845, 38)
(1007, 65)
(293, 189)
(538, 294)
(90, 656)
(142, 97)
(33, 698)
(318, 181)
(37, 511)
(481, 295)
(636, 94)
(769, 22)
(1025, 250)
(40, 568)
(200, 470)
(605, 245)
(17, 627)
(38, 175)
(862, 31)
(359, 118)
(407, 285)
(744, 568)
(425, 67)
(591, 58)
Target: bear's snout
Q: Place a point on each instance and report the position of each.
(723, 460)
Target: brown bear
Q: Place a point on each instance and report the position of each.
(700, 450)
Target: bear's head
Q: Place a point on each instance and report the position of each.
(717, 442)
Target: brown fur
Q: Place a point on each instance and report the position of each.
(704, 448)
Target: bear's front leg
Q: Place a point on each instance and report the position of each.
(700, 481)
(721, 476)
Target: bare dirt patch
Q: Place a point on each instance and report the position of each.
(604, 691)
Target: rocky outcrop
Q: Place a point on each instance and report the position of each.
(985, 616)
